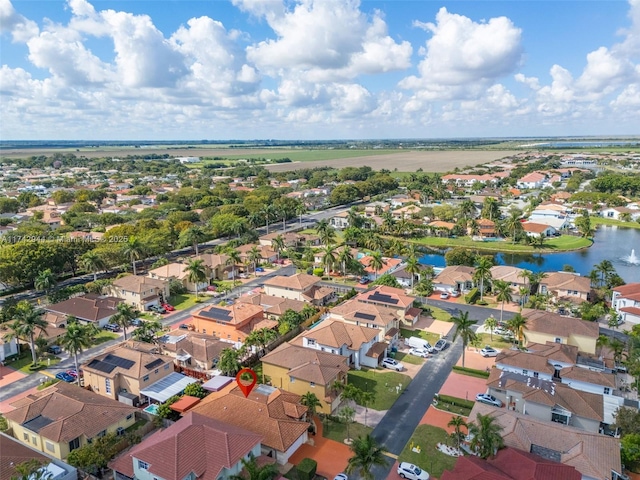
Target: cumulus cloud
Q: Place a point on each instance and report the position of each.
(20, 28)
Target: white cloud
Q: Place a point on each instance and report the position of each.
(20, 28)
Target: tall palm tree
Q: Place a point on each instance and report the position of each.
(604, 268)
(463, 326)
(311, 401)
(134, 250)
(517, 325)
(45, 281)
(491, 323)
(366, 455)
(196, 273)
(125, 315)
(328, 258)
(252, 471)
(254, 257)
(301, 209)
(483, 272)
(76, 338)
(229, 363)
(377, 262)
(268, 212)
(277, 244)
(374, 242)
(487, 436)
(192, 236)
(239, 226)
(513, 224)
(457, 423)
(502, 290)
(92, 261)
(327, 236)
(344, 258)
(322, 226)
(413, 268)
(467, 209)
(234, 259)
(147, 331)
(28, 322)
(365, 399)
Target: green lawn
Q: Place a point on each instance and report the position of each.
(611, 221)
(24, 362)
(498, 341)
(184, 301)
(440, 314)
(338, 431)
(432, 338)
(48, 383)
(103, 336)
(382, 384)
(406, 358)
(555, 244)
(430, 458)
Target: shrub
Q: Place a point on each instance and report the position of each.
(458, 402)
(307, 469)
(318, 272)
(484, 303)
(472, 372)
(472, 296)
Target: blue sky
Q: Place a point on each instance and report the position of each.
(318, 69)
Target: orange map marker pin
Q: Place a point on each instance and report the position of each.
(246, 387)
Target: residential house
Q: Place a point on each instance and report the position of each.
(456, 278)
(140, 292)
(8, 346)
(545, 327)
(566, 286)
(486, 228)
(340, 221)
(390, 265)
(64, 417)
(300, 370)
(277, 416)
(440, 228)
(376, 208)
(273, 307)
(619, 213)
(406, 212)
(467, 180)
(291, 239)
(514, 276)
(267, 254)
(626, 302)
(88, 308)
(15, 453)
(192, 350)
(394, 298)
(232, 322)
(595, 456)
(176, 271)
(342, 338)
(301, 287)
(510, 464)
(195, 447)
(533, 229)
(532, 180)
(216, 265)
(547, 400)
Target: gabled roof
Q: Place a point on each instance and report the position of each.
(196, 443)
(236, 314)
(13, 454)
(202, 347)
(127, 361)
(138, 284)
(63, 412)
(365, 313)
(386, 296)
(509, 274)
(334, 333)
(89, 307)
(273, 305)
(307, 364)
(525, 361)
(566, 281)
(213, 260)
(170, 270)
(557, 325)
(452, 275)
(534, 227)
(300, 281)
(628, 289)
(586, 375)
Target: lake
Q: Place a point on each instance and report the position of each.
(611, 243)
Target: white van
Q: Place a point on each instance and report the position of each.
(416, 342)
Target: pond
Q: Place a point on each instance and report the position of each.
(619, 245)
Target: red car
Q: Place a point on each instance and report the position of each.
(211, 288)
(74, 374)
(168, 308)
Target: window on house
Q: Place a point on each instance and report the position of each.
(35, 439)
(166, 367)
(558, 340)
(143, 465)
(25, 437)
(107, 385)
(156, 371)
(525, 372)
(101, 434)
(75, 443)
(311, 341)
(292, 380)
(145, 378)
(312, 384)
(536, 374)
(50, 446)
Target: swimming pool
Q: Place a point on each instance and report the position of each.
(152, 409)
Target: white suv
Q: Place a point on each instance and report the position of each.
(392, 364)
(412, 472)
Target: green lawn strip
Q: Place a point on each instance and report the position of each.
(406, 358)
(23, 363)
(184, 301)
(472, 372)
(440, 314)
(48, 383)
(459, 406)
(555, 244)
(103, 337)
(613, 222)
(432, 338)
(338, 431)
(426, 437)
(498, 341)
(135, 426)
(381, 383)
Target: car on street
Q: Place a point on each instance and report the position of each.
(488, 351)
(444, 295)
(440, 345)
(488, 399)
(419, 352)
(341, 476)
(412, 472)
(168, 307)
(392, 364)
(503, 331)
(65, 377)
(363, 281)
(55, 349)
(259, 269)
(74, 374)
(184, 326)
(136, 322)
(112, 327)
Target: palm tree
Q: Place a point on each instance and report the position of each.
(502, 290)
(268, 471)
(483, 272)
(239, 226)
(261, 337)
(604, 268)
(76, 338)
(254, 257)
(517, 325)
(192, 236)
(234, 259)
(126, 314)
(301, 209)
(413, 268)
(374, 242)
(268, 213)
(513, 224)
(377, 262)
(467, 209)
(277, 244)
(464, 330)
(457, 423)
(524, 293)
(365, 399)
(366, 455)
(28, 322)
(134, 250)
(229, 363)
(92, 261)
(45, 281)
(322, 226)
(328, 258)
(487, 436)
(147, 331)
(344, 258)
(196, 273)
(491, 323)
(311, 401)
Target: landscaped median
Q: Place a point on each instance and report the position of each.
(563, 243)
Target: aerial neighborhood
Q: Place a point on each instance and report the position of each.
(409, 325)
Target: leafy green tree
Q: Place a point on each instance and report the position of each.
(31, 470)
(630, 451)
(196, 273)
(627, 420)
(147, 331)
(92, 261)
(253, 471)
(192, 236)
(28, 322)
(261, 338)
(482, 272)
(195, 390)
(458, 423)
(463, 325)
(229, 363)
(366, 455)
(45, 281)
(460, 256)
(93, 457)
(486, 436)
(4, 425)
(124, 316)
(502, 290)
(76, 338)
(134, 250)
(388, 280)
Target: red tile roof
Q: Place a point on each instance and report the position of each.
(628, 289)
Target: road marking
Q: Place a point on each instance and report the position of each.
(44, 372)
(389, 454)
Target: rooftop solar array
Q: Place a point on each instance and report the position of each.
(110, 362)
(364, 316)
(383, 298)
(37, 423)
(101, 366)
(216, 313)
(155, 363)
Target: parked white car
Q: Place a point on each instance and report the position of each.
(440, 345)
(488, 399)
(341, 476)
(392, 364)
(489, 352)
(412, 472)
(419, 352)
(444, 295)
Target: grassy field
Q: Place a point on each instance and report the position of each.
(498, 342)
(382, 384)
(103, 336)
(440, 314)
(430, 458)
(432, 338)
(24, 362)
(555, 244)
(613, 222)
(184, 301)
(406, 358)
(338, 431)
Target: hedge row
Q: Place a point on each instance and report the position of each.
(472, 372)
(458, 402)
(472, 297)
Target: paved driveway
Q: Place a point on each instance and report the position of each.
(463, 386)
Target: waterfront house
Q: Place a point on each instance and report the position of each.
(566, 286)
(626, 302)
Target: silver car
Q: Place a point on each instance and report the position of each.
(488, 399)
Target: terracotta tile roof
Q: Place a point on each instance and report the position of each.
(592, 454)
(532, 177)
(557, 325)
(334, 333)
(308, 364)
(509, 274)
(581, 374)
(390, 264)
(203, 348)
(185, 403)
(566, 281)
(452, 275)
(275, 415)
(377, 349)
(534, 227)
(238, 313)
(317, 292)
(141, 362)
(354, 311)
(552, 351)
(213, 260)
(628, 289)
(65, 412)
(631, 310)
(138, 284)
(170, 270)
(300, 281)
(273, 305)
(88, 307)
(397, 296)
(195, 444)
(14, 453)
(525, 361)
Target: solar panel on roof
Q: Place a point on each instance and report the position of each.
(102, 366)
(119, 361)
(383, 298)
(364, 316)
(37, 423)
(155, 363)
(216, 314)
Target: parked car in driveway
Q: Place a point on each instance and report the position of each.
(184, 326)
(65, 377)
(488, 399)
(156, 309)
(489, 352)
(392, 364)
(419, 352)
(440, 345)
(444, 295)
(136, 322)
(259, 269)
(168, 307)
(412, 472)
(55, 349)
(112, 327)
